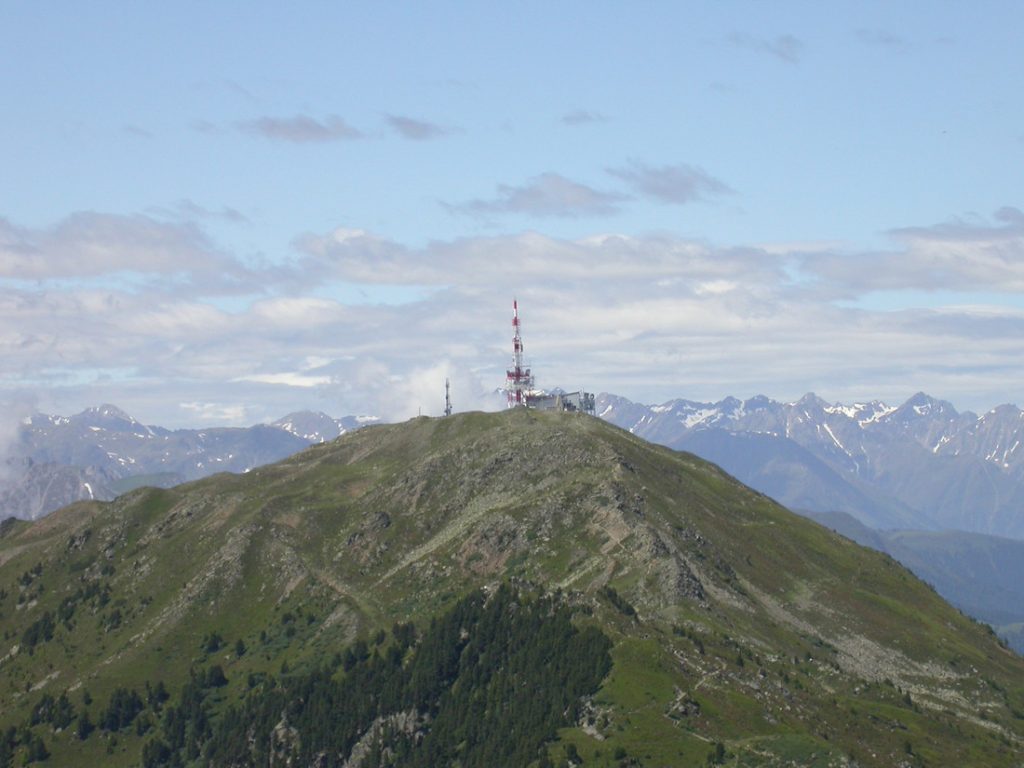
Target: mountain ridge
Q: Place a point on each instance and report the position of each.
(911, 465)
(919, 462)
(102, 451)
(733, 620)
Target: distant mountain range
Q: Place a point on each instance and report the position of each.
(919, 465)
(936, 489)
(103, 452)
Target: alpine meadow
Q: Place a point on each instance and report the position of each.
(394, 598)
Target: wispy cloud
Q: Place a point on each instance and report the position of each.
(677, 184)
(90, 244)
(957, 255)
(191, 210)
(881, 38)
(416, 130)
(582, 117)
(134, 130)
(288, 379)
(361, 257)
(300, 129)
(549, 194)
(785, 48)
(207, 413)
(14, 408)
(238, 89)
(205, 126)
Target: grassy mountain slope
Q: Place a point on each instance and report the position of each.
(734, 621)
(980, 574)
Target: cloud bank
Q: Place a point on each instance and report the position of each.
(648, 317)
(91, 244)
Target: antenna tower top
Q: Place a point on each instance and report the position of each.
(518, 379)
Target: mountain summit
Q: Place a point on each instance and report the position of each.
(736, 627)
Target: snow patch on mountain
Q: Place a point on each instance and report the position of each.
(95, 454)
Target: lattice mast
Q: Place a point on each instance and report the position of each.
(447, 398)
(518, 379)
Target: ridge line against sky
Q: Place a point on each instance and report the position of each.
(220, 215)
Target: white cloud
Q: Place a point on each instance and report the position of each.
(402, 394)
(528, 257)
(294, 379)
(958, 255)
(549, 194)
(90, 244)
(204, 413)
(300, 129)
(648, 317)
(677, 184)
(172, 319)
(186, 209)
(295, 311)
(416, 130)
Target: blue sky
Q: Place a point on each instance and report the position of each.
(220, 214)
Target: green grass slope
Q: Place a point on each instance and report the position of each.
(742, 632)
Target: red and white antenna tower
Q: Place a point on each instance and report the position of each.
(518, 379)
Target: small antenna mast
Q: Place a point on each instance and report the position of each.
(447, 398)
(518, 379)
